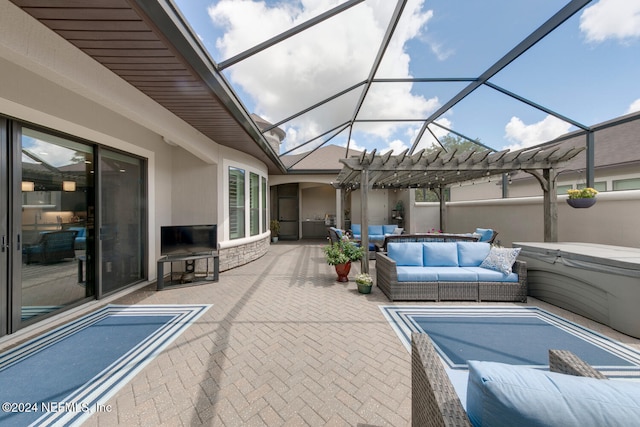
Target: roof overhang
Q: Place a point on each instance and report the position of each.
(147, 44)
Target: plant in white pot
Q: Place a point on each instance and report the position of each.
(274, 226)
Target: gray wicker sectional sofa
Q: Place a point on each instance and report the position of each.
(447, 271)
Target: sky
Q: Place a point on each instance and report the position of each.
(586, 70)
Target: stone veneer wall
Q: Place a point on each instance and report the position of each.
(243, 254)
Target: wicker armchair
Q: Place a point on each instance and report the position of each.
(434, 400)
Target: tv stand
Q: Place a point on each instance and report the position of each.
(188, 275)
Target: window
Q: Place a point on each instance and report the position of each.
(264, 204)
(626, 184)
(236, 203)
(562, 189)
(600, 186)
(254, 204)
(426, 195)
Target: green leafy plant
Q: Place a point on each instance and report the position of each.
(342, 252)
(274, 226)
(583, 193)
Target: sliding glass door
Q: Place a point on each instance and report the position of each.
(4, 227)
(122, 219)
(72, 223)
(56, 223)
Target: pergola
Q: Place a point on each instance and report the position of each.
(439, 169)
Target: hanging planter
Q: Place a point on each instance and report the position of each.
(582, 198)
(582, 203)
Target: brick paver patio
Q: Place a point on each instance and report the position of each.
(283, 344)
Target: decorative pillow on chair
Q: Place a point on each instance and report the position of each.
(501, 259)
(485, 234)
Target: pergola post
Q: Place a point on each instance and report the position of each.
(443, 208)
(550, 205)
(339, 208)
(364, 208)
(343, 204)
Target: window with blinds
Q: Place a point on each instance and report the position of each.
(254, 203)
(236, 203)
(264, 204)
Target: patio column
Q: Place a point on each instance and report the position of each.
(339, 209)
(550, 206)
(364, 207)
(443, 209)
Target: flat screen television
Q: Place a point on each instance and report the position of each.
(178, 240)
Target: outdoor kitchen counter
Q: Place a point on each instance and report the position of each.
(601, 282)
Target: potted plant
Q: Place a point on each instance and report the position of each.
(582, 198)
(340, 254)
(274, 226)
(364, 282)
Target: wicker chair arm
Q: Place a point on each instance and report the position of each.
(565, 362)
(434, 401)
(520, 268)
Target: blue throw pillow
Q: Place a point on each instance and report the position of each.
(338, 232)
(355, 228)
(440, 254)
(485, 234)
(406, 253)
(388, 229)
(499, 394)
(501, 259)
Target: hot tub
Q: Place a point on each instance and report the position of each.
(600, 282)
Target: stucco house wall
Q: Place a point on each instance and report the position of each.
(49, 82)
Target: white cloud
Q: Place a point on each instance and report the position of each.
(354, 146)
(617, 19)
(397, 146)
(634, 107)
(317, 63)
(528, 135)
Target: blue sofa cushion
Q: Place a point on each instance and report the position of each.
(486, 275)
(388, 229)
(406, 254)
(506, 395)
(81, 237)
(485, 234)
(375, 230)
(416, 274)
(471, 254)
(356, 230)
(440, 254)
(501, 259)
(454, 274)
(81, 231)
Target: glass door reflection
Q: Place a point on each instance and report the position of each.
(57, 228)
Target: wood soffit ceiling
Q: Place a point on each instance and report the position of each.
(163, 64)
